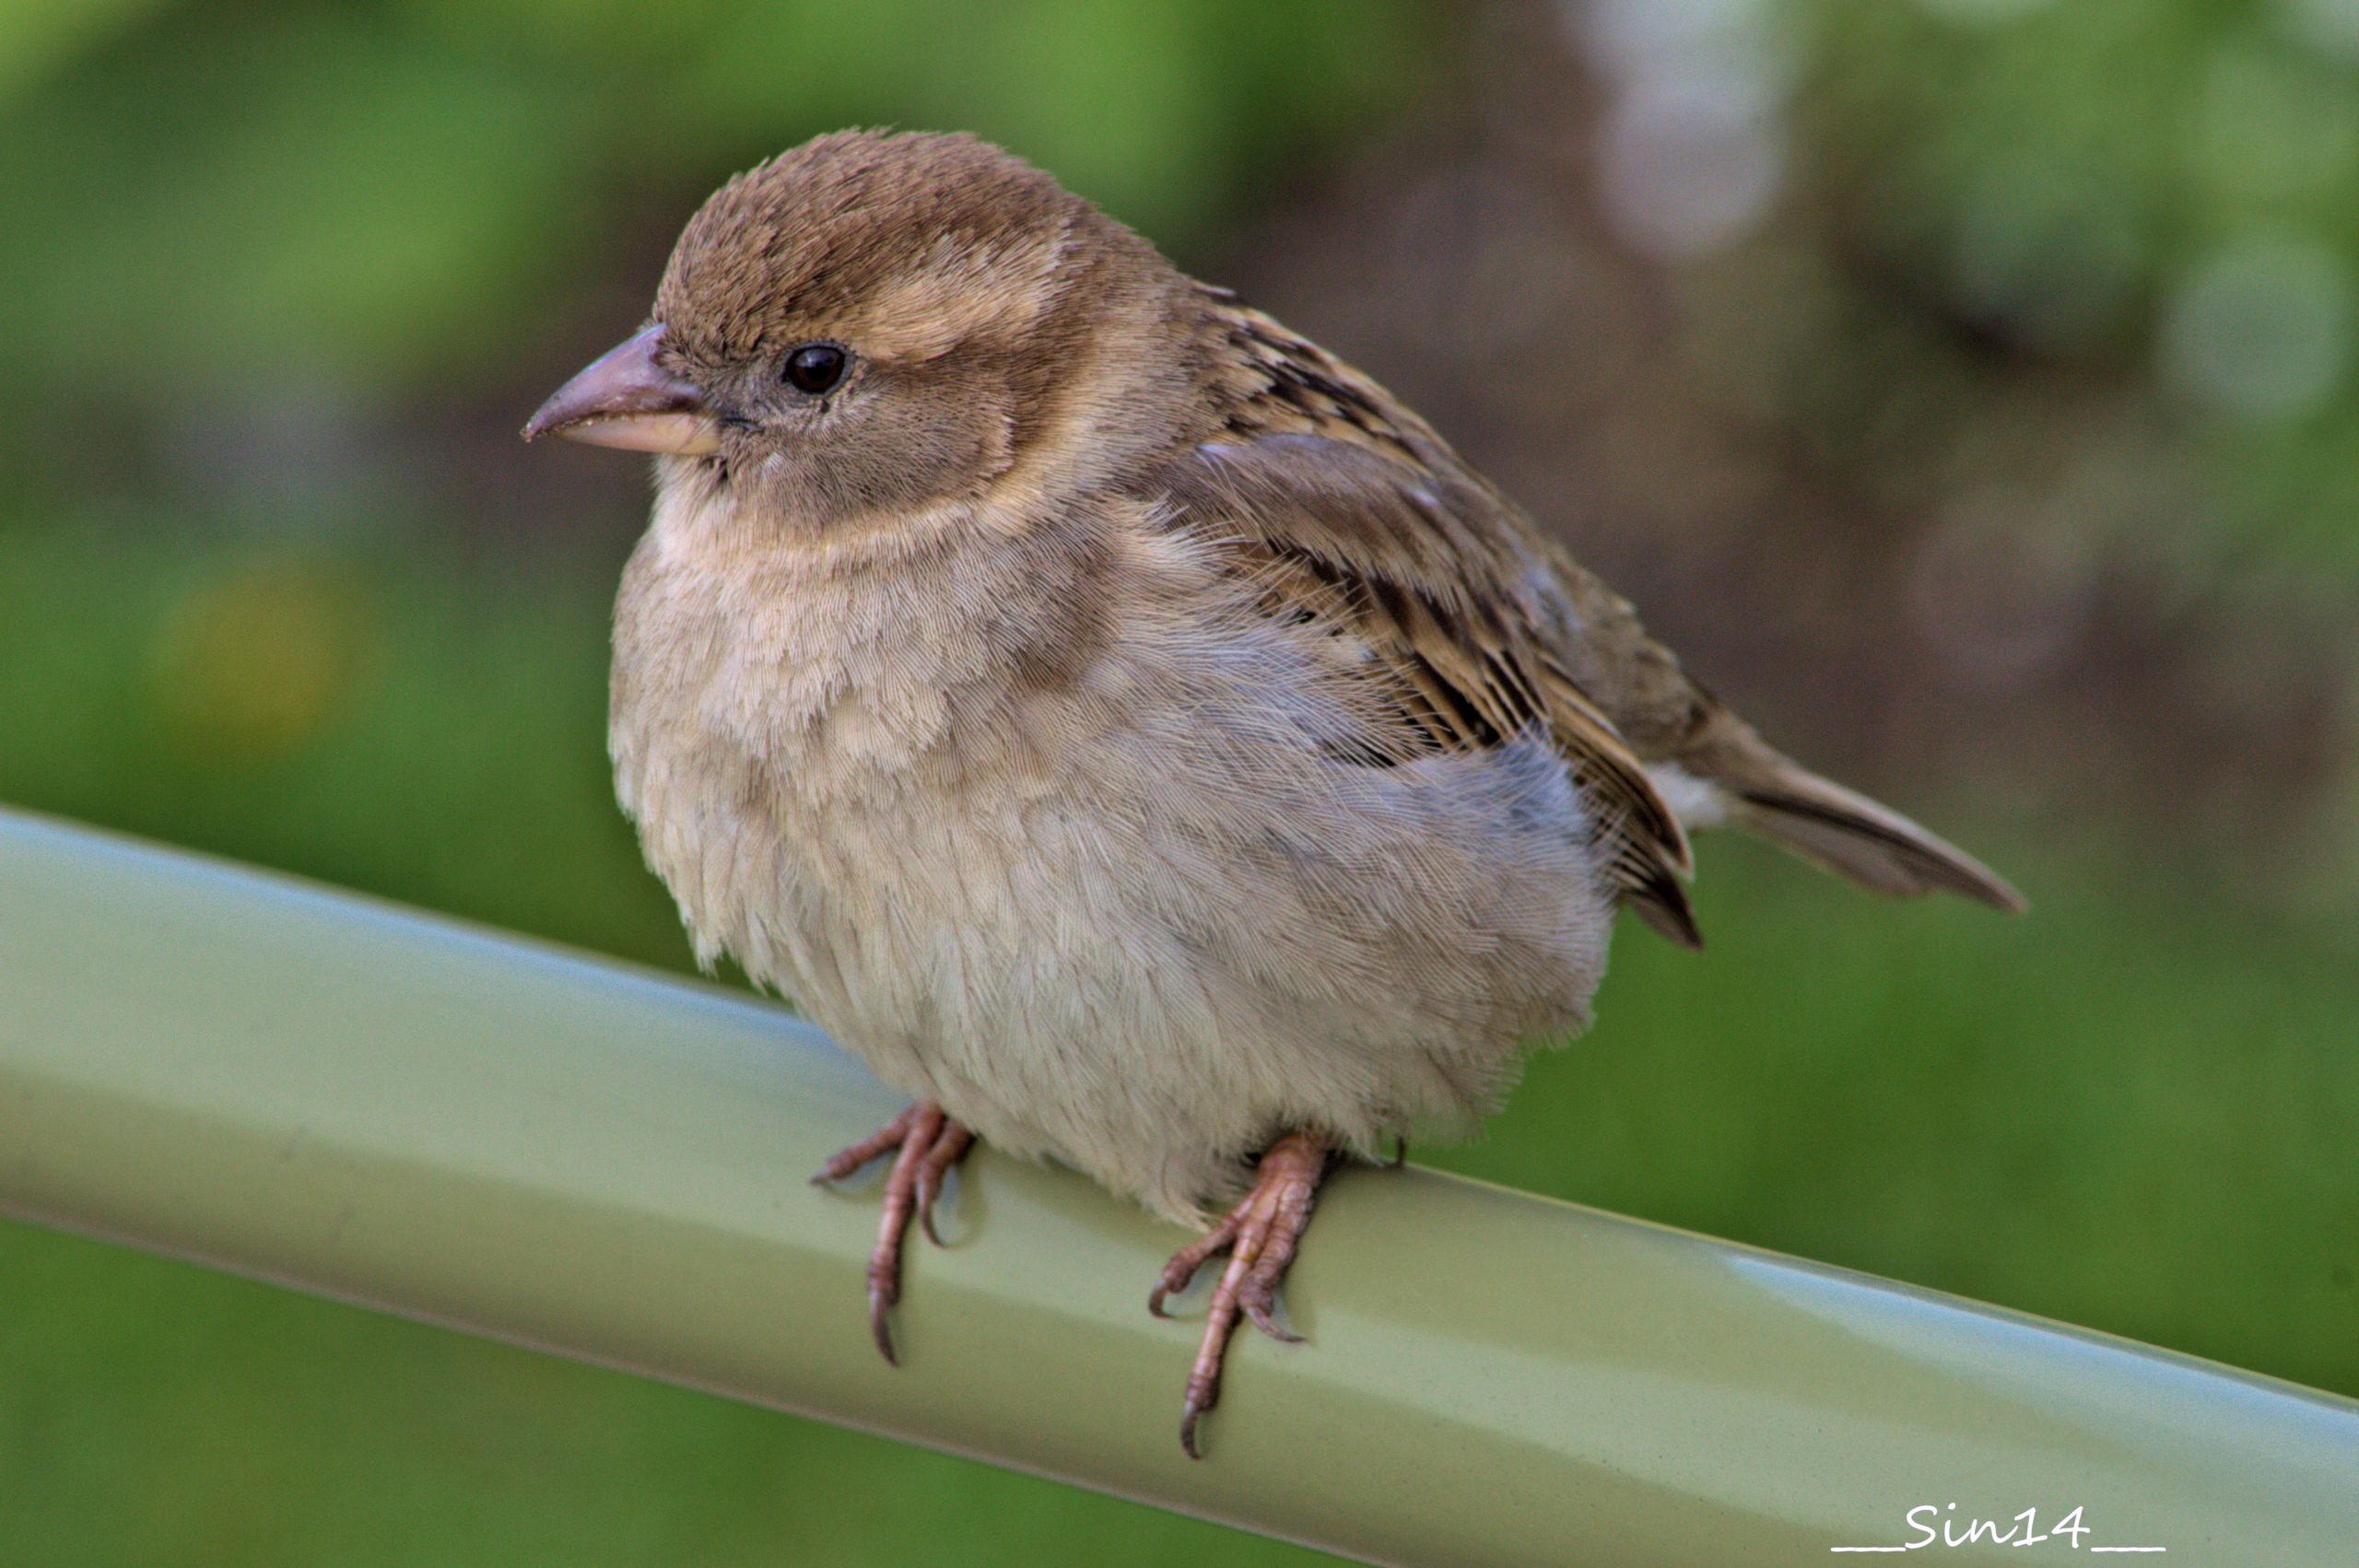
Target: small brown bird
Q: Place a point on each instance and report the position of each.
(1123, 723)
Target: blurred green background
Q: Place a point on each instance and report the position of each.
(1967, 386)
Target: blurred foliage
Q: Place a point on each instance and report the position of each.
(1932, 370)
(2172, 185)
(2156, 197)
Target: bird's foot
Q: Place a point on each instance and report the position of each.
(925, 1145)
(1260, 1236)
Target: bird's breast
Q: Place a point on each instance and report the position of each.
(828, 755)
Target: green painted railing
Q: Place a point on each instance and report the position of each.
(573, 1154)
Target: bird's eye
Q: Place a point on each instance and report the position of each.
(815, 368)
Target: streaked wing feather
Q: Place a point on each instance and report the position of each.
(1343, 507)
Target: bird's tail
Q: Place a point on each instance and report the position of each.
(1768, 793)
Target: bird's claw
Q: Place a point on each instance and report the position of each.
(1260, 1236)
(925, 1145)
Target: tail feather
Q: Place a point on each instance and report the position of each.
(1878, 849)
(1772, 795)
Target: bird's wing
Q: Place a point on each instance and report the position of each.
(1353, 512)
(1346, 510)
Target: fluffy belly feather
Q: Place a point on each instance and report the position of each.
(1194, 930)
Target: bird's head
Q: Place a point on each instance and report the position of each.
(869, 322)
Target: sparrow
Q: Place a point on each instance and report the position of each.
(1123, 723)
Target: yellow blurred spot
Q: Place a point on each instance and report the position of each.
(250, 665)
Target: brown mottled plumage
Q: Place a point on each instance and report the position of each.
(1125, 723)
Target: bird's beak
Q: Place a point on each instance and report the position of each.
(626, 400)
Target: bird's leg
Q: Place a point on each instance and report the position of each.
(925, 1145)
(1260, 1236)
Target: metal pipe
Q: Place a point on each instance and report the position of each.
(571, 1153)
